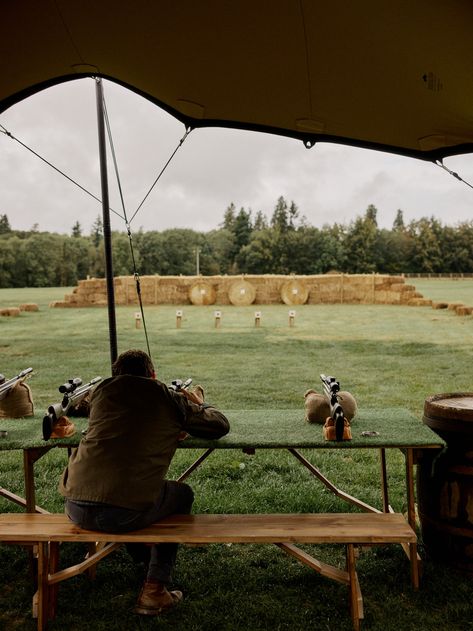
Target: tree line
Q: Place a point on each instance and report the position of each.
(244, 242)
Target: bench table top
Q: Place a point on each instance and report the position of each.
(262, 428)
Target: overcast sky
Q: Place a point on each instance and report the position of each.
(214, 167)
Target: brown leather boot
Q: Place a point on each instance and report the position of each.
(155, 599)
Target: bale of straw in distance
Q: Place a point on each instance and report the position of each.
(294, 292)
(10, 311)
(452, 306)
(463, 310)
(202, 293)
(241, 293)
(439, 305)
(28, 306)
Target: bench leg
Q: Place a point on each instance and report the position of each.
(43, 587)
(356, 600)
(415, 566)
(52, 568)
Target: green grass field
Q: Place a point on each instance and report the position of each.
(445, 289)
(385, 355)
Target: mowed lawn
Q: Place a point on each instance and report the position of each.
(385, 355)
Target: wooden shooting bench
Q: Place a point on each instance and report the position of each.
(47, 531)
(251, 430)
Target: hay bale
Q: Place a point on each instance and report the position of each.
(419, 302)
(294, 292)
(202, 293)
(452, 306)
(462, 310)
(28, 306)
(241, 293)
(55, 304)
(439, 305)
(10, 311)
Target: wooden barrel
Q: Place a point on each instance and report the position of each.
(445, 482)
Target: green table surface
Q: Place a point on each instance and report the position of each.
(262, 428)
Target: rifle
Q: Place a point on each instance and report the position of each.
(331, 389)
(178, 384)
(73, 392)
(7, 385)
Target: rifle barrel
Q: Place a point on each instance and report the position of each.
(6, 385)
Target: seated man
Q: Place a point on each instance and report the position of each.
(115, 479)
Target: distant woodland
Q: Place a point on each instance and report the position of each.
(244, 242)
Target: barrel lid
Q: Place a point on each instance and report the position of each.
(457, 405)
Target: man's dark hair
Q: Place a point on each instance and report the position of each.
(133, 362)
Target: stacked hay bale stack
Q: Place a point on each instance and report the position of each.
(292, 290)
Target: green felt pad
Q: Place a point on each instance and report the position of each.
(262, 428)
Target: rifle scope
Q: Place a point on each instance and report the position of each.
(70, 385)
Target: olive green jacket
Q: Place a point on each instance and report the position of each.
(134, 425)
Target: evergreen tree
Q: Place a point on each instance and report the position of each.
(229, 218)
(4, 224)
(260, 222)
(97, 231)
(76, 230)
(361, 243)
(398, 224)
(280, 218)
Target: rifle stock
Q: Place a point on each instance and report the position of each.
(331, 389)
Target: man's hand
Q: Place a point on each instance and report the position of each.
(196, 395)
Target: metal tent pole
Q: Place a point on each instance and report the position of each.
(107, 235)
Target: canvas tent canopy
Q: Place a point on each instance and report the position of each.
(395, 76)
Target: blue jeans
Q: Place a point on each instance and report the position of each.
(175, 498)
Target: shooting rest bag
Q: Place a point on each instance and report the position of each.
(18, 402)
(317, 407)
(329, 429)
(63, 428)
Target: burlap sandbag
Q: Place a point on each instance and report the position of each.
(18, 402)
(317, 407)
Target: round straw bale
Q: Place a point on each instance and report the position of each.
(439, 305)
(28, 306)
(202, 293)
(294, 292)
(241, 293)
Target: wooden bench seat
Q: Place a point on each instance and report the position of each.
(48, 530)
